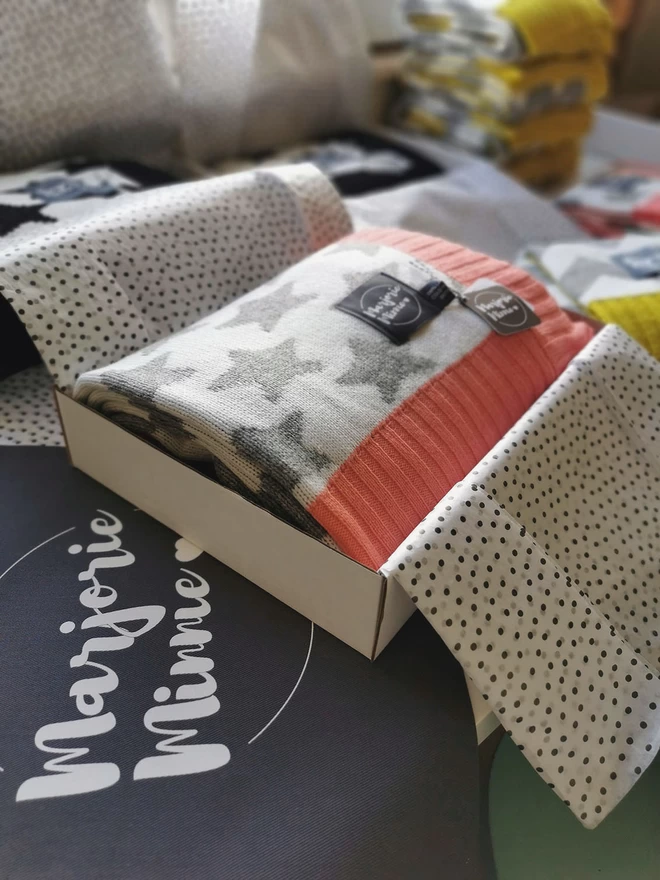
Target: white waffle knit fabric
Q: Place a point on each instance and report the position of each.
(540, 572)
(82, 79)
(312, 73)
(148, 78)
(214, 54)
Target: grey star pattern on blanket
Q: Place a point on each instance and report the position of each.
(264, 410)
(271, 368)
(281, 446)
(280, 450)
(141, 384)
(378, 363)
(267, 311)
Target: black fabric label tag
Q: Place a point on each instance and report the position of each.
(499, 307)
(394, 308)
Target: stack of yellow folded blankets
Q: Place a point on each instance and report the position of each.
(514, 80)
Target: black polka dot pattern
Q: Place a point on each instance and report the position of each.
(540, 571)
(99, 289)
(28, 414)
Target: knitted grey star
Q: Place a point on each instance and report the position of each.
(378, 362)
(284, 458)
(139, 387)
(272, 368)
(282, 444)
(141, 384)
(266, 311)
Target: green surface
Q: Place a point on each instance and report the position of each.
(536, 837)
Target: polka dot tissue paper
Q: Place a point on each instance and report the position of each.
(99, 287)
(540, 572)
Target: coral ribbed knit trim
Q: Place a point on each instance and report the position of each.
(408, 463)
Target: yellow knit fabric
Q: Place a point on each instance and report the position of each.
(554, 165)
(639, 316)
(548, 128)
(561, 27)
(557, 72)
(499, 89)
(430, 23)
(422, 120)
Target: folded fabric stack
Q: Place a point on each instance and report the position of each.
(514, 80)
(321, 418)
(615, 281)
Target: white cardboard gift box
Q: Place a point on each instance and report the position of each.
(352, 602)
(343, 597)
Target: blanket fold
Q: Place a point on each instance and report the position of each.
(319, 417)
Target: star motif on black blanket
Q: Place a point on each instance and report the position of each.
(271, 368)
(377, 362)
(13, 216)
(63, 188)
(268, 310)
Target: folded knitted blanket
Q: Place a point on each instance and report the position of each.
(316, 414)
(435, 112)
(32, 201)
(548, 165)
(510, 92)
(94, 290)
(514, 29)
(615, 281)
(540, 572)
